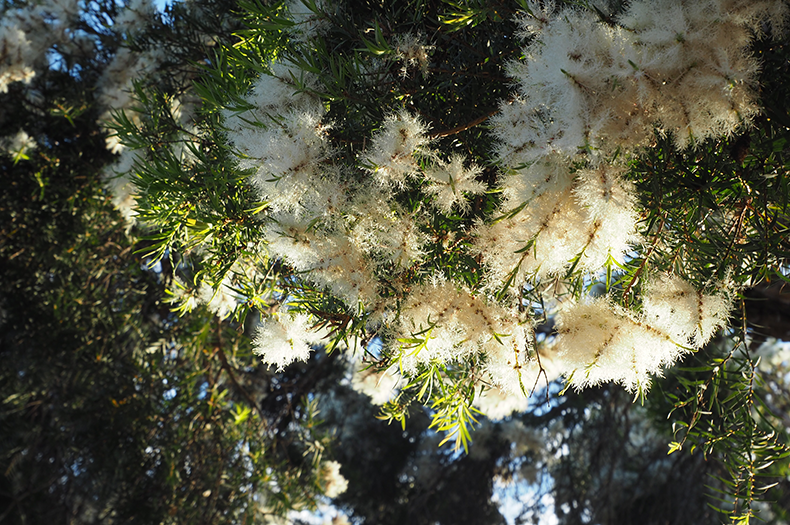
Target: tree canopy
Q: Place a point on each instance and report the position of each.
(423, 262)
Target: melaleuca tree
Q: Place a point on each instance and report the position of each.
(471, 200)
(114, 409)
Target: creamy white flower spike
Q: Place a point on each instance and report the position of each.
(287, 156)
(412, 51)
(18, 145)
(582, 219)
(115, 87)
(27, 34)
(585, 83)
(118, 179)
(587, 90)
(441, 322)
(307, 24)
(600, 341)
(497, 404)
(518, 366)
(328, 259)
(134, 16)
(690, 316)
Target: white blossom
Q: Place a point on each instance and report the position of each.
(134, 16)
(331, 480)
(599, 341)
(412, 51)
(450, 183)
(18, 145)
(391, 157)
(307, 24)
(689, 315)
(379, 385)
(497, 404)
(283, 338)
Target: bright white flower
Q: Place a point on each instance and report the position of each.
(18, 145)
(412, 51)
(26, 36)
(118, 179)
(115, 86)
(442, 322)
(599, 342)
(184, 296)
(134, 16)
(514, 365)
(391, 155)
(588, 84)
(284, 338)
(610, 204)
(287, 155)
(308, 24)
(538, 17)
(273, 94)
(382, 229)
(563, 220)
(328, 259)
(581, 222)
(449, 182)
(497, 404)
(331, 480)
(222, 301)
(691, 317)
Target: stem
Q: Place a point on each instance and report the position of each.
(466, 126)
(641, 268)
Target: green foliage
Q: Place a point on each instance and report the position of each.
(120, 401)
(715, 212)
(114, 408)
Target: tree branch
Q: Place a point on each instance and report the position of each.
(466, 126)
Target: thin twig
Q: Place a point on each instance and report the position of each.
(644, 262)
(227, 368)
(738, 226)
(466, 126)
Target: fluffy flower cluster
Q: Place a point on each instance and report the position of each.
(450, 182)
(395, 149)
(332, 481)
(26, 34)
(588, 93)
(599, 341)
(307, 23)
(441, 322)
(223, 298)
(588, 90)
(588, 85)
(348, 237)
(115, 86)
(560, 218)
(18, 145)
(379, 386)
(284, 338)
(134, 16)
(412, 51)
